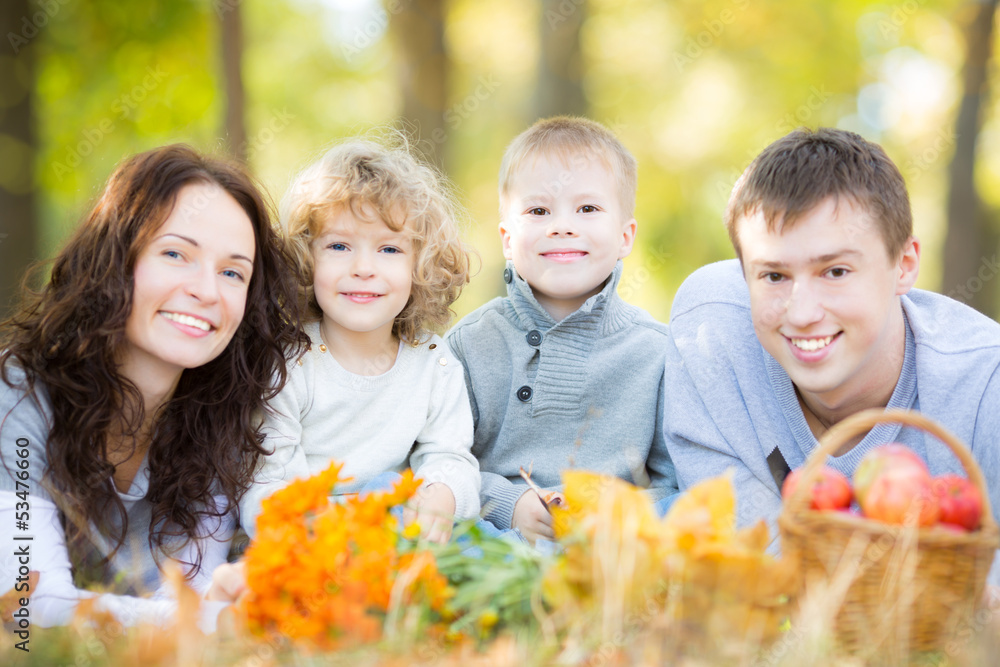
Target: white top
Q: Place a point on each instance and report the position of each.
(416, 415)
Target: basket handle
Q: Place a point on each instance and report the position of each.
(862, 422)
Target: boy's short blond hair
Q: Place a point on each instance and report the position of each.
(383, 177)
(567, 137)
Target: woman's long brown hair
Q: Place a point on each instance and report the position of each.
(68, 336)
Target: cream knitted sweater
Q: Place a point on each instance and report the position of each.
(415, 415)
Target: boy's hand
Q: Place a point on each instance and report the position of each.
(433, 507)
(532, 518)
(229, 580)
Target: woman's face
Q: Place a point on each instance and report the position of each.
(191, 284)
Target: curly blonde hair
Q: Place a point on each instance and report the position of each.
(383, 176)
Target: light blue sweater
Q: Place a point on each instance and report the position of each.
(586, 392)
(731, 404)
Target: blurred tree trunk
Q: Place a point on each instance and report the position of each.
(970, 263)
(18, 224)
(560, 69)
(418, 30)
(231, 30)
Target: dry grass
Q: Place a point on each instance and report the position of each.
(658, 636)
(628, 589)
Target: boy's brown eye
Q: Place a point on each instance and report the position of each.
(588, 208)
(537, 211)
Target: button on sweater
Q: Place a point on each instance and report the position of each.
(586, 393)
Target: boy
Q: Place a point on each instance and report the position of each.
(561, 372)
(816, 321)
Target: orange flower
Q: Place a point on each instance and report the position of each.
(329, 573)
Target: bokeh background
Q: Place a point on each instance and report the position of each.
(694, 88)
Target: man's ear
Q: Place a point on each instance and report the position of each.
(628, 238)
(908, 266)
(505, 240)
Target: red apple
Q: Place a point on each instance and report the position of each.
(830, 491)
(960, 502)
(885, 457)
(902, 495)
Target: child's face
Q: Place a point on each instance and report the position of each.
(565, 228)
(362, 274)
(824, 297)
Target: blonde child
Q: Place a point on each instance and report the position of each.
(374, 232)
(562, 372)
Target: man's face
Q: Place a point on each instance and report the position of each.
(824, 297)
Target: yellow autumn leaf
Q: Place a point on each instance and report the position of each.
(590, 496)
(704, 513)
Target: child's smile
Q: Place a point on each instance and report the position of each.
(361, 297)
(564, 255)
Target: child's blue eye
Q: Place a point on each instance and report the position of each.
(337, 246)
(391, 250)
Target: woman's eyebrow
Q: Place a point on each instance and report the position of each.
(190, 240)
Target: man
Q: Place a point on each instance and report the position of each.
(817, 320)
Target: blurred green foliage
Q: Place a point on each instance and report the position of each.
(695, 88)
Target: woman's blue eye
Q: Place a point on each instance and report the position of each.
(173, 254)
(229, 273)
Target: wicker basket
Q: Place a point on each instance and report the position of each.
(904, 588)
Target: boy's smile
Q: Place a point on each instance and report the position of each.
(565, 229)
(564, 255)
(825, 303)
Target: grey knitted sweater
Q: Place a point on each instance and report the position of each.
(586, 392)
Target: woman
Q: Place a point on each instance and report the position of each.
(133, 385)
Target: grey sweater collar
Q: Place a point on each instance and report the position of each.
(603, 313)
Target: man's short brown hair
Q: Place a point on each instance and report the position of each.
(804, 168)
